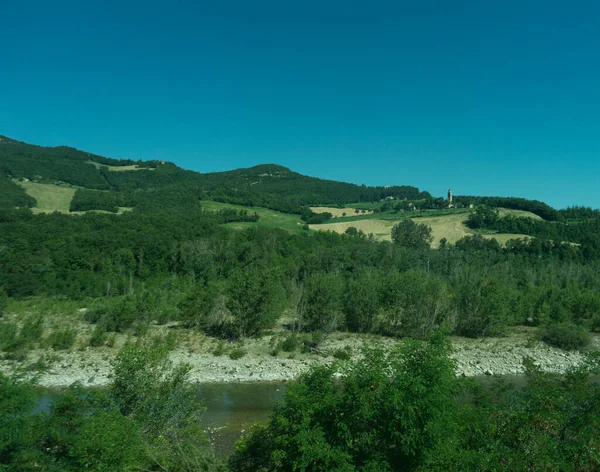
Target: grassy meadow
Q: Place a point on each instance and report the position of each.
(49, 197)
(449, 224)
(120, 168)
(267, 218)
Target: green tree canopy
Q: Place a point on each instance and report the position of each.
(410, 234)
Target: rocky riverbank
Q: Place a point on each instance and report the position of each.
(92, 366)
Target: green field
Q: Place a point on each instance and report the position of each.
(394, 215)
(49, 197)
(120, 168)
(267, 218)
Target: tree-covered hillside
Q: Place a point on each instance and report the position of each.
(175, 261)
(270, 185)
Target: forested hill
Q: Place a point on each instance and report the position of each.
(157, 182)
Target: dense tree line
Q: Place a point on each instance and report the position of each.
(85, 200)
(584, 231)
(536, 207)
(12, 195)
(237, 283)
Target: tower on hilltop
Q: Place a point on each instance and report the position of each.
(449, 198)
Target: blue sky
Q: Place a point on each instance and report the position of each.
(488, 98)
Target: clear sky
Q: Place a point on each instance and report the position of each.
(488, 98)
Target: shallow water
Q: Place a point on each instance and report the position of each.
(233, 408)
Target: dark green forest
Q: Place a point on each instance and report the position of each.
(171, 260)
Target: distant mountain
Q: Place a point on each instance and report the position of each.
(267, 185)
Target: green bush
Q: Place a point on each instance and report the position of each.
(391, 411)
(219, 350)
(32, 330)
(290, 343)
(595, 324)
(98, 336)
(62, 339)
(8, 335)
(3, 302)
(343, 354)
(566, 336)
(237, 353)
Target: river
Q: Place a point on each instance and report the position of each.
(232, 408)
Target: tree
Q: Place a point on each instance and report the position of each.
(410, 234)
(322, 302)
(161, 399)
(391, 411)
(361, 301)
(196, 309)
(251, 299)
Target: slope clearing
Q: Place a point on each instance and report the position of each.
(267, 218)
(119, 168)
(339, 212)
(49, 197)
(450, 226)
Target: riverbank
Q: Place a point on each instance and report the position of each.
(212, 361)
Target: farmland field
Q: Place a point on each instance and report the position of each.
(339, 212)
(448, 224)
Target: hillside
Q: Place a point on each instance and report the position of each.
(270, 186)
(450, 226)
(68, 180)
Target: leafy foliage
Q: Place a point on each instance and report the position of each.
(390, 412)
(150, 420)
(62, 339)
(407, 233)
(566, 336)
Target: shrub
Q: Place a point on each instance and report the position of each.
(140, 329)
(566, 336)
(237, 353)
(595, 324)
(8, 335)
(343, 354)
(290, 343)
(168, 342)
(98, 336)
(63, 339)
(274, 352)
(3, 302)
(390, 411)
(219, 350)
(32, 330)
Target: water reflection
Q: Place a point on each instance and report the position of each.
(233, 408)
